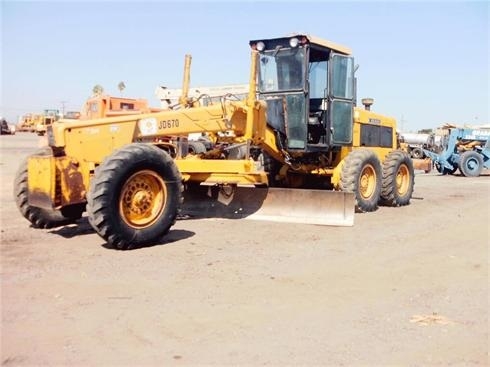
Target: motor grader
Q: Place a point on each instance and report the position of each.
(295, 149)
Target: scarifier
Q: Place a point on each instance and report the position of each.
(295, 149)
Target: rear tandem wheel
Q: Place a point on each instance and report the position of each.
(361, 174)
(398, 179)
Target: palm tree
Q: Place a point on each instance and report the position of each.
(121, 86)
(97, 89)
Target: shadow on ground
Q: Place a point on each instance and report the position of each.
(83, 227)
(172, 236)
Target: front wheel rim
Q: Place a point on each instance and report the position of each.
(472, 165)
(142, 199)
(367, 182)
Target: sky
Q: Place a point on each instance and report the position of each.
(424, 63)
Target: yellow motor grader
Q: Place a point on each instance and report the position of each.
(295, 149)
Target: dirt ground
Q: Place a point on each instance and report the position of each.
(404, 286)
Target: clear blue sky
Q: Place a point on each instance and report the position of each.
(424, 63)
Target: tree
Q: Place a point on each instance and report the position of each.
(121, 86)
(97, 90)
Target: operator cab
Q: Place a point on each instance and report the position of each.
(308, 86)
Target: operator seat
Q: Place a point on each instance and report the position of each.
(316, 119)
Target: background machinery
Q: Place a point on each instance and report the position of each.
(103, 105)
(295, 149)
(169, 98)
(6, 128)
(465, 148)
(72, 115)
(416, 143)
(28, 122)
(46, 119)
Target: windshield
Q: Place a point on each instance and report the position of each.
(282, 70)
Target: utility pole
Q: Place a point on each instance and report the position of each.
(63, 108)
(402, 124)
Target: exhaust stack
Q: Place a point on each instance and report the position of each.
(367, 102)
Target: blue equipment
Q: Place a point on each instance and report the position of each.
(466, 149)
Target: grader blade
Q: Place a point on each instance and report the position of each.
(321, 207)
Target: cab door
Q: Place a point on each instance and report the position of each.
(341, 99)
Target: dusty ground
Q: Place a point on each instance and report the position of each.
(406, 286)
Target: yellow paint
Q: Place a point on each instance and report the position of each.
(142, 199)
(41, 184)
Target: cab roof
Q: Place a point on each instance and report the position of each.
(314, 41)
(325, 43)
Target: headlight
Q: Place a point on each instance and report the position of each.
(148, 126)
(293, 42)
(260, 46)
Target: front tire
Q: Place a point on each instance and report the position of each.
(398, 179)
(361, 174)
(471, 164)
(135, 196)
